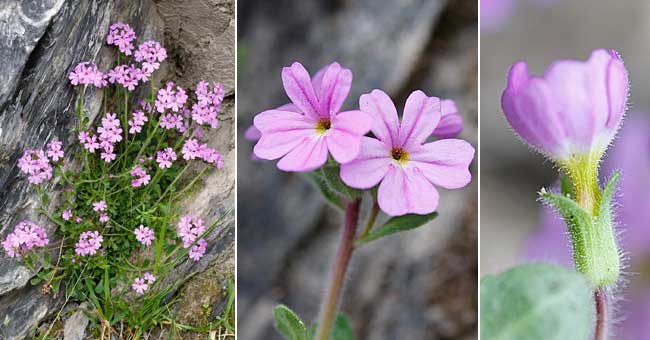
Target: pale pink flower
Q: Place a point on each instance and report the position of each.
(99, 206)
(139, 286)
(26, 236)
(190, 228)
(165, 158)
(87, 73)
(398, 159)
(103, 217)
(149, 278)
(36, 166)
(54, 151)
(66, 214)
(171, 121)
(169, 98)
(303, 139)
(122, 36)
(140, 177)
(89, 243)
(197, 250)
(144, 235)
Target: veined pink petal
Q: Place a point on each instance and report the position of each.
(310, 154)
(369, 167)
(252, 133)
(451, 123)
(298, 87)
(281, 132)
(420, 118)
(444, 162)
(334, 89)
(386, 122)
(356, 122)
(406, 190)
(275, 120)
(291, 107)
(317, 79)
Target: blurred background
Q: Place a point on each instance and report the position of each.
(513, 227)
(418, 285)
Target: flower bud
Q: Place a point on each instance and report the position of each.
(573, 110)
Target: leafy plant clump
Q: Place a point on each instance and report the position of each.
(120, 229)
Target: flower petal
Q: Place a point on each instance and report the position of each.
(298, 87)
(406, 191)
(386, 122)
(344, 138)
(334, 89)
(356, 122)
(281, 131)
(421, 116)
(291, 107)
(369, 167)
(444, 162)
(451, 123)
(309, 155)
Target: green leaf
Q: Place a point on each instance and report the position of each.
(566, 186)
(536, 302)
(319, 181)
(289, 324)
(331, 173)
(342, 330)
(396, 225)
(35, 280)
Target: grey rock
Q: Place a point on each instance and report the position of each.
(74, 327)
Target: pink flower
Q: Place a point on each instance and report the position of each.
(451, 123)
(136, 124)
(303, 139)
(190, 149)
(89, 243)
(399, 158)
(211, 156)
(139, 286)
(189, 228)
(127, 76)
(150, 54)
(77, 219)
(87, 73)
(144, 235)
(99, 206)
(54, 151)
(89, 141)
(576, 108)
(103, 217)
(36, 166)
(122, 36)
(149, 278)
(208, 103)
(140, 177)
(197, 251)
(171, 121)
(165, 158)
(170, 98)
(66, 214)
(26, 236)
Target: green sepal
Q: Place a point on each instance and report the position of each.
(319, 181)
(289, 324)
(594, 245)
(395, 225)
(331, 172)
(536, 302)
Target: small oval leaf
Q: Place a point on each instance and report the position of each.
(289, 324)
(396, 225)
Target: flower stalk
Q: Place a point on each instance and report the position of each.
(339, 269)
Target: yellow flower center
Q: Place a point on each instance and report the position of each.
(323, 125)
(400, 155)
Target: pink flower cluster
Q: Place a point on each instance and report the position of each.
(122, 36)
(189, 229)
(66, 214)
(204, 111)
(141, 285)
(36, 166)
(54, 150)
(192, 149)
(165, 158)
(110, 133)
(89, 243)
(144, 235)
(140, 177)
(25, 237)
(150, 54)
(197, 251)
(87, 73)
(127, 76)
(171, 121)
(136, 124)
(170, 98)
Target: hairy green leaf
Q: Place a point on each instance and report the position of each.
(289, 324)
(536, 302)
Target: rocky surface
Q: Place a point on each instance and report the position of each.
(286, 234)
(40, 41)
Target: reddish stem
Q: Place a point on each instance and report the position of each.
(602, 315)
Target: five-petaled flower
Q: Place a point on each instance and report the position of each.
(400, 158)
(303, 138)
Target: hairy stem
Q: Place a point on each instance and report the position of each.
(339, 269)
(602, 315)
